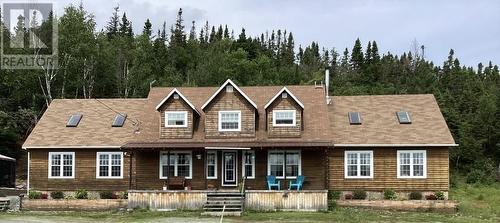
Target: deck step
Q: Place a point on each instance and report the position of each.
(231, 202)
(216, 213)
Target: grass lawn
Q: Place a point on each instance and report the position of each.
(477, 204)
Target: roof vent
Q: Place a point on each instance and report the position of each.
(354, 118)
(176, 96)
(74, 120)
(229, 88)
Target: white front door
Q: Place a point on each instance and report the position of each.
(229, 168)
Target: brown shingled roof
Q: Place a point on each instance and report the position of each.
(94, 129)
(380, 125)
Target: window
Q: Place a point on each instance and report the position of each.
(358, 164)
(119, 120)
(354, 118)
(212, 165)
(403, 117)
(229, 121)
(176, 119)
(284, 164)
(109, 164)
(179, 164)
(284, 118)
(61, 165)
(412, 164)
(248, 164)
(74, 120)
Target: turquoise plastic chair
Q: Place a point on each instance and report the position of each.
(272, 182)
(297, 183)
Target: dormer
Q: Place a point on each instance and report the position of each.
(284, 114)
(230, 113)
(177, 116)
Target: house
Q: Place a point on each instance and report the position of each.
(228, 137)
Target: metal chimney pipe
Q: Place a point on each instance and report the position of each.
(327, 85)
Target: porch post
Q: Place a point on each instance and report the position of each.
(205, 162)
(168, 169)
(130, 171)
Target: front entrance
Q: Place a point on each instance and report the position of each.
(229, 168)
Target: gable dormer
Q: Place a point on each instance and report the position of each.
(284, 114)
(177, 116)
(229, 113)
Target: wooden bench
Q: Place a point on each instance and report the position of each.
(176, 183)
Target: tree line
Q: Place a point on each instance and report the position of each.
(117, 63)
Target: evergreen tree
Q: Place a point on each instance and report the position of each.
(357, 55)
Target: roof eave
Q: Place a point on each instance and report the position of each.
(289, 93)
(181, 95)
(398, 145)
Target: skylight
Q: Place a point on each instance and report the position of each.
(74, 120)
(403, 117)
(119, 120)
(354, 118)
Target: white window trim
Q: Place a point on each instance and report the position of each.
(284, 165)
(411, 164)
(109, 165)
(285, 125)
(185, 113)
(244, 165)
(358, 164)
(175, 164)
(61, 170)
(229, 130)
(215, 172)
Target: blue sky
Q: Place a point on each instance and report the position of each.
(471, 28)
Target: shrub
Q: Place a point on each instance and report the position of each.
(348, 196)
(359, 195)
(439, 195)
(480, 197)
(57, 195)
(81, 194)
(123, 195)
(415, 195)
(333, 195)
(332, 204)
(430, 197)
(390, 194)
(481, 171)
(44, 196)
(107, 195)
(34, 194)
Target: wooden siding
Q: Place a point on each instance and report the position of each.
(146, 171)
(286, 200)
(85, 173)
(170, 200)
(284, 131)
(385, 172)
(229, 101)
(176, 132)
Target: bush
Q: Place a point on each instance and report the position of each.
(123, 195)
(415, 195)
(431, 197)
(332, 204)
(34, 194)
(81, 194)
(348, 196)
(333, 195)
(107, 195)
(44, 196)
(439, 195)
(390, 194)
(359, 195)
(57, 195)
(481, 171)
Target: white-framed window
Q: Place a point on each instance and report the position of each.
(109, 165)
(176, 119)
(229, 121)
(212, 165)
(179, 164)
(412, 163)
(284, 117)
(358, 164)
(284, 164)
(62, 165)
(248, 161)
